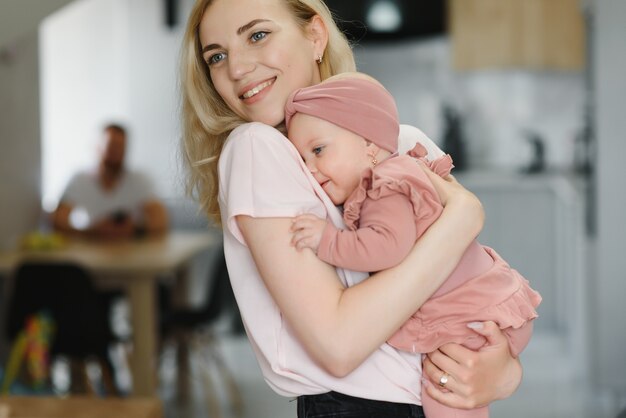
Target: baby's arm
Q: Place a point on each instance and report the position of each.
(385, 236)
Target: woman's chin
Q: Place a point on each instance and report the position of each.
(271, 119)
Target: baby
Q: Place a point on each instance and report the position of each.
(346, 130)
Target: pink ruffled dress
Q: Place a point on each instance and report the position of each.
(482, 287)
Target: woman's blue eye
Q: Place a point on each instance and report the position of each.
(215, 58)
(257, 36)
(317, 150)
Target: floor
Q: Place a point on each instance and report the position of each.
(552, 386)
(549, 388)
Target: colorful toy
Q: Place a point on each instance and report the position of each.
(32, 345)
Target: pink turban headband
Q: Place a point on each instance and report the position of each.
(361, 106)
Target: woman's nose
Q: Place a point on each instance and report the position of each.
(240, 64)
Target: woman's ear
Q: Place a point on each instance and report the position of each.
(319, 35)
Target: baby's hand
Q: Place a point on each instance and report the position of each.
(307, 231)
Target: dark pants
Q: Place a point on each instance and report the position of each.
(333, 404)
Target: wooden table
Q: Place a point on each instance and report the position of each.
(79, 407)
(135, 265)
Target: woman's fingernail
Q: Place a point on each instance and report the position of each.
(475, 325)
(425, 382)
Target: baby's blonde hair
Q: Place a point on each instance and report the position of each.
(207, 120)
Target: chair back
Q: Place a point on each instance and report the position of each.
(66, 292)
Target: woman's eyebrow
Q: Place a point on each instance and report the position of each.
(209, 47)
(249, 25)
(239, 32)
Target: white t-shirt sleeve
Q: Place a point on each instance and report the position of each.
(410, 135)
(75, 187)
(141, 186)
(261, 176)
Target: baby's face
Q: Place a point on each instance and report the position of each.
(335, 156)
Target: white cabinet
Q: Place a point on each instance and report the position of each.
(536, 222)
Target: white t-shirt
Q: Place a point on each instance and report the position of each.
(262, 175)
(85, 194)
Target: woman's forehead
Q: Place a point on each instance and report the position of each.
(242, 11)
(224, 19)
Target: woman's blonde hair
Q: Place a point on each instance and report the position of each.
(207, 120)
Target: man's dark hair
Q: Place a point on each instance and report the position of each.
(115, 127)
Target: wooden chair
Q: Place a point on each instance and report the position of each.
(192, 331)
(79, 313)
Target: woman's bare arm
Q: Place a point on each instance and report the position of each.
(335, 324)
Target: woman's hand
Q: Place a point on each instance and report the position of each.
(450, 191)
(447, 187)
(475, 378)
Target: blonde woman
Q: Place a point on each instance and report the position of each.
(318, 332)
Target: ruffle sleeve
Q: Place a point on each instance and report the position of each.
(401, 175)
(352, 206)
(441, 166)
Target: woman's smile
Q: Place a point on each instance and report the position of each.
(257, 89)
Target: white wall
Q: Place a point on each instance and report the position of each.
(110, 60)
(154, 110)
(608, 286)
(85, 83)
(18, 18)
(19, 140)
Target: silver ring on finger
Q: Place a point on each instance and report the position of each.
(443, 380)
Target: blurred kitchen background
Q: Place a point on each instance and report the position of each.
(528, 96)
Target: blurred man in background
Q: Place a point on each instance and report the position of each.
(110, 201)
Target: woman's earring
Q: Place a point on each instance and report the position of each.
(319, 59)
(374, 160)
